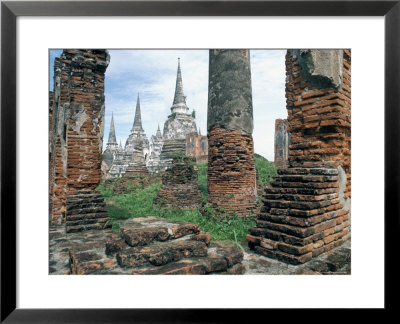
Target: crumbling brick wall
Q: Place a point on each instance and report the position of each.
(231, 167)
(78, 139)
(319, 117)
(306, 209)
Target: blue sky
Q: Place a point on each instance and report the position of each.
(152, 73)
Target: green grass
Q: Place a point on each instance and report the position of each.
(265, 169)
(139, 203)
(202, 179)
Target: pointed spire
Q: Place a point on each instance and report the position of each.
(111, 135)
(179, 98)
(158, 134)
(137, 123)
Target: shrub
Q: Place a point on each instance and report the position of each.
(265, 169)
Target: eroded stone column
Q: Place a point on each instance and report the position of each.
(78, 139)
(231, 168)
(306, 209)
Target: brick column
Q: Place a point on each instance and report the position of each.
(231, 168)
(58, 164)
(78, 130)
(306, 210)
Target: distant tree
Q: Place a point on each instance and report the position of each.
(194, 113)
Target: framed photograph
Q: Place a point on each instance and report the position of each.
(360, 36)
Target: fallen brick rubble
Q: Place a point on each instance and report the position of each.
(144, 246)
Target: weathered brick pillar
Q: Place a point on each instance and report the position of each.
(58, 164)
(85, 205)
(78, 139)
(307, 208)
(281, 143)
(51, 148)
(231, 168)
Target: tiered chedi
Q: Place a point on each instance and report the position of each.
(177, 126)
(231, 167)
(156, 145)
(307, 208)
(136, 131)
(137, 164)
(112, 146)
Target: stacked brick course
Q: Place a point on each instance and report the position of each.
(231, 172)
(306, 209)
(78, 129)
(179, 186)
(319, 119)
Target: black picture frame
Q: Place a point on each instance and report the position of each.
(10, 10)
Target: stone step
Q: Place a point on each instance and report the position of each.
(299, 197)
(101, 219)
(311, 171)
(87, 227)
(309, 185)
(305, 178)
(90, 209)
(299, 191)
(303, 205)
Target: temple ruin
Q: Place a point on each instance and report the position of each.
(231, 168)
(77, 140)
(177, 126)
(306, 209)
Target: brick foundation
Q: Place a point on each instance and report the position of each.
(179, 186)
(306, 209)
(231, 172)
